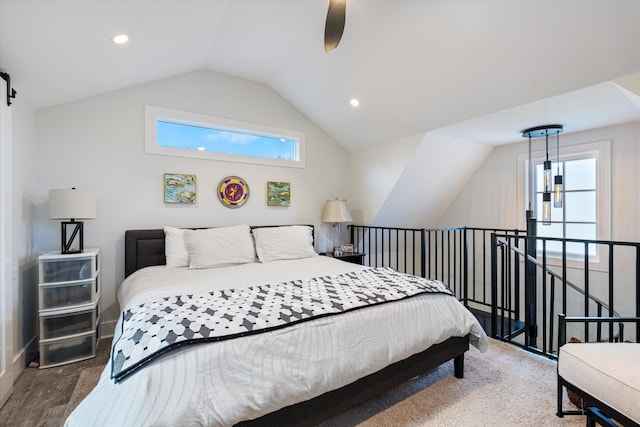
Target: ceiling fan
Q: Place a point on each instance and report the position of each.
(334, 26)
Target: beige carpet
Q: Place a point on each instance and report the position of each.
(505, 386)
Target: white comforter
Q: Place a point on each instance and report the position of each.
(216, 384)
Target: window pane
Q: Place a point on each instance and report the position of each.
(581, 174)
(553, 230)
(539, 177)
(581, 231)
(555, 168)
(556, 213)
(192, 137)
(580, 206)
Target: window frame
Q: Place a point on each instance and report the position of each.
(538, 161)
(601, 151)
(154, 114)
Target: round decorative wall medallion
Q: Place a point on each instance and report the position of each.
(233, 192)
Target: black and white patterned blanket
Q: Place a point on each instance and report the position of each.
(152, 329)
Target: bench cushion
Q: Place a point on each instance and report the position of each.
(607, 371)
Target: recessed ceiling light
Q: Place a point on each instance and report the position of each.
(354, 102)
(120, 38)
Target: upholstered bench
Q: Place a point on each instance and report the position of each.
(605, 374)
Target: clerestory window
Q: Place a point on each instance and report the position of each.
(185, 134)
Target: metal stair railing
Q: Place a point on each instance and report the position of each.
(576, 299)
(488, 277)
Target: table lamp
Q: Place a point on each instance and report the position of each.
(72, 205)
(337, 212)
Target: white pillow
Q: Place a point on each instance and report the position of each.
(219, 247)
(175, 247)
(290, 242)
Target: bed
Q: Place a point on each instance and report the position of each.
(297, 374)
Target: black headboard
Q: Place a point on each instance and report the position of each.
(145, 248)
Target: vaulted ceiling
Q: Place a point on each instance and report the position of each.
(481, 69)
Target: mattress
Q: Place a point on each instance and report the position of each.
(223, 383)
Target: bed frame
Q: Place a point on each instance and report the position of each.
(144, 248)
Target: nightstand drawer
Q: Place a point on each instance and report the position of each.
(58, 323)
(73, 349)
(68, 294)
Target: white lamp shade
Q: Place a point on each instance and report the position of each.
(336, 211)
(72, 204)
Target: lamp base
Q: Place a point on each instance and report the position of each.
(66, 240)
(336, 237)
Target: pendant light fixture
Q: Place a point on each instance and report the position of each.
(537, 132)
(558, 193)
(546, 208)
(547, 166)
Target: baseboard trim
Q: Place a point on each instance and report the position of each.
(107, 328)
(24, 356)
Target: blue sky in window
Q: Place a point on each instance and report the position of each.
(178, 135)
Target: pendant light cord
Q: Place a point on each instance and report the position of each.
(546, 134)
(558, 152)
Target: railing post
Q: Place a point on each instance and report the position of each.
(637, 291)
(465, 265)
(423, 252)
(352, 230)
(530, 284)
(494, 285)
(516, 275)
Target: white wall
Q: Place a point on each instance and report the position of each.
(410, 182)
(493, 198)
(374, 173)
(25, 302)
(98, 143)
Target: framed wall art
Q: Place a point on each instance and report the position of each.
(278, 193)
(233, 192)
(179, 188)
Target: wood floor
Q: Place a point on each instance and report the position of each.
(40, 396)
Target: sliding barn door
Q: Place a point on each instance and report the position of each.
(6, 298)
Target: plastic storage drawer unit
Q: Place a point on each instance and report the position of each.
(62, 323)
(56, 270)
(69, 306)
(71, 349)
(67, 294)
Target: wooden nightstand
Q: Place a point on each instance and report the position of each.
(352, 257)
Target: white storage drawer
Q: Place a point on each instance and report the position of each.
(57, 324)
(61, 295)
(65, 271)
(66, 350)
(55, 267)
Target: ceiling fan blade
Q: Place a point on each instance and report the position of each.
(334, 26)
